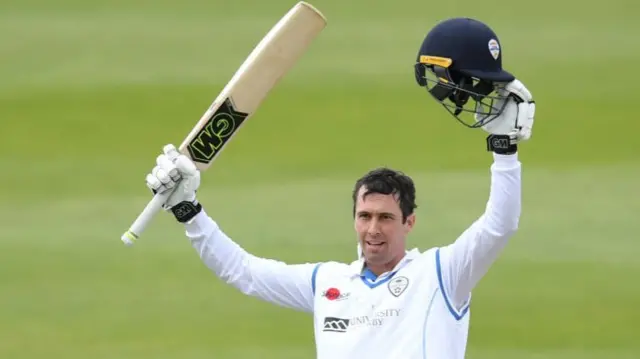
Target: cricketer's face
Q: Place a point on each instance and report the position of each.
(380, 229)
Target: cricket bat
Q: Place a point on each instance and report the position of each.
(269, 61)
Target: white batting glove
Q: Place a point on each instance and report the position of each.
(517, 118)
(177, 173)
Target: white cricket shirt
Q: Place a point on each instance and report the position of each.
(419, 310)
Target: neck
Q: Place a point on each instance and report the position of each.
(380, 268)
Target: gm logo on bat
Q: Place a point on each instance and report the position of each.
(216, 132)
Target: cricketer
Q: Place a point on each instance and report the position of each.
(391, 302)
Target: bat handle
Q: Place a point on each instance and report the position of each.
(153, 207)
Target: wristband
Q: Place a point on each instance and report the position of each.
(501, 144)
(185, 211)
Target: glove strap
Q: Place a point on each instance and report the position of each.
(186, 210)
(501, 144)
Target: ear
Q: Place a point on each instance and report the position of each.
(411, 221)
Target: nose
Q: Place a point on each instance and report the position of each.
(374, 229)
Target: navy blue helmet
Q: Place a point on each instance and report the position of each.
(459, 60)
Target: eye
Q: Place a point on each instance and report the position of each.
(363, 215)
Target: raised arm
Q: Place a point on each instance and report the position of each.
(290, 286)
(287, 285)
(462, 264)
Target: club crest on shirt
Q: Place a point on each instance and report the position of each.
(398, 285)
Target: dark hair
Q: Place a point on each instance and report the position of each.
(387, 181)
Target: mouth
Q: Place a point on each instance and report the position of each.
(374, 244)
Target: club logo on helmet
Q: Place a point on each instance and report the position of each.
(494, 48)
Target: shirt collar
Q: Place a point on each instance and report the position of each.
(357, 267)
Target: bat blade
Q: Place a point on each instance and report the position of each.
(266, 65)
(270, 60)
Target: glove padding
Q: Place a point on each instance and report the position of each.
(174, 172)
(517, 119)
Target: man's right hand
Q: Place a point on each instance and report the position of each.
(177, 173)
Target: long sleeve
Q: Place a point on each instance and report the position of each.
(462, 264)
(287, 285)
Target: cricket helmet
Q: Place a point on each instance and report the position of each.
(459, 60)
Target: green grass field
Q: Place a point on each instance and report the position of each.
(90, 91)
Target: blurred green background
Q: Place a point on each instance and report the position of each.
(90, 91)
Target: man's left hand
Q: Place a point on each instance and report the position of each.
(515, 123)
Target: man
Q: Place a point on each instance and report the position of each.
(390, 303)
